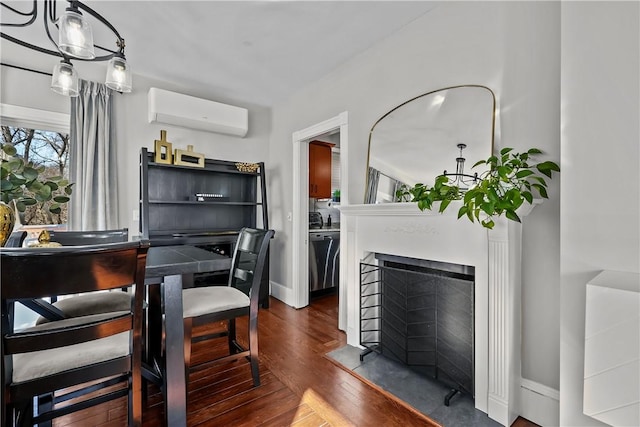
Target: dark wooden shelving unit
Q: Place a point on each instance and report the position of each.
(171, 215)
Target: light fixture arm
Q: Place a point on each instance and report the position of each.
(33, 14)
(74, 42)
(50, 15)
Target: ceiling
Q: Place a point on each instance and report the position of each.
(259, 52)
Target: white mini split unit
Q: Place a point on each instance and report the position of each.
(196, 113)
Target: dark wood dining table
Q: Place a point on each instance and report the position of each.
(169, 268)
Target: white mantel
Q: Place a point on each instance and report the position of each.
(402, 229)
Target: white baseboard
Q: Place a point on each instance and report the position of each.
(539, 403)
(282, 293)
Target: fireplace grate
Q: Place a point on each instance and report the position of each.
(370, 306)
(421, 317)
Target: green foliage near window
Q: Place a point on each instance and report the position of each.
(511, 179)
(21, 183)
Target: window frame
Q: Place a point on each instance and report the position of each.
(18, 116)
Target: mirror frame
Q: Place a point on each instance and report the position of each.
(493, 124)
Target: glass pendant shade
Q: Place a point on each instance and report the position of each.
(75, 37)
(118, 75)
(65, 79)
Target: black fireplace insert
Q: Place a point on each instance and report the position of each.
(420, 313)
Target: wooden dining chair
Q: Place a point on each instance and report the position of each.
(16, 239)
(87, 353)
(205, 305)
(92, 303)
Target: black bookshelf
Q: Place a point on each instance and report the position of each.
(204, 207)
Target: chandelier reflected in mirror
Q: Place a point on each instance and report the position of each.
(460, 179)
(74, 42)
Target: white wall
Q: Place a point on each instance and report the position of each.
(134, 132)
(600, 216)
(500, 45)
(31, 90)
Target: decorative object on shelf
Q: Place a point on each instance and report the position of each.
(207, 197)
(509, 181)
(23, 186)
(7, 221)
(44, 241)
(247, 167)
(163, 149)
(188, 157)
(75, 41)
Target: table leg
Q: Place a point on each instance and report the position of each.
(174, 373)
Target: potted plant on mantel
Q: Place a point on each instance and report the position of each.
(22, 185)
(510, 181)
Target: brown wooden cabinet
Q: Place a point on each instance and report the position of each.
(319, 170)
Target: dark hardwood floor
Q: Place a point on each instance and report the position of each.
(299, 385)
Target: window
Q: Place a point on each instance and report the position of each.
(45, 124)
(49, 149)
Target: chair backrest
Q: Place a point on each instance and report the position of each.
(33, 273)
(16, 239)
(248, 261)
(77, 238)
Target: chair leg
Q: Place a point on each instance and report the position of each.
(135, 398)
(253, 348)
(45, 404)
(231, 328)
(23, 414)
(7, 414)
(188, 326)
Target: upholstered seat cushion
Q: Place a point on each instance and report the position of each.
(28, 366)
(92, 303)
(212, 299)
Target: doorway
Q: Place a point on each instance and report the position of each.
(300, 252)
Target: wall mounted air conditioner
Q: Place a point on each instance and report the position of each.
(196, 113)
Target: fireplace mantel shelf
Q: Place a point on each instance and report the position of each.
(411, 209)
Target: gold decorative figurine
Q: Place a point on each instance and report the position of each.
(188, 158)
(163, 149)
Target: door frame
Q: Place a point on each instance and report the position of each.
(300, 250)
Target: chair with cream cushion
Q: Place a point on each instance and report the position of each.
(87, 353)
(96, 303)
(209, 304)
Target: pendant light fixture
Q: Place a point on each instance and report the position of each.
(74, 42)
(118, 74)
(75, 37)
(65, 79)
(460, 179)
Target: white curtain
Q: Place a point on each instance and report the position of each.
(372, 185)
(94, 202)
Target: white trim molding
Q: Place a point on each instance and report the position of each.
(539, 403)
(17, 116)
(282, 293)
(300, 243)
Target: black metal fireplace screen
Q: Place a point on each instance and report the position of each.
(420, 313)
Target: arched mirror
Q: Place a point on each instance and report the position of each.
(421, 138)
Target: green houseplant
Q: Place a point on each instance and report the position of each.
(510, 180)
(24, 184)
